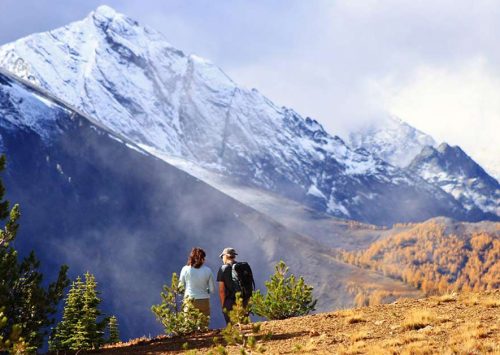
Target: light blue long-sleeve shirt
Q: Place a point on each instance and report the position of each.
(198, 283)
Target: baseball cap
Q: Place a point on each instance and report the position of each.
(228, 251)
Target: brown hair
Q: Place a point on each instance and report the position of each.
(196, 258)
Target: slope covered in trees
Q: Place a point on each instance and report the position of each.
(436, 257)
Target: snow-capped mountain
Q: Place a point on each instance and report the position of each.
(133, 81)
(456, 173)
(447, 167)
(391, 139)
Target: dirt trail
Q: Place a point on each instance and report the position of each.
(467, 323)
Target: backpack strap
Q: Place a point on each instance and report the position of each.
(228, 281)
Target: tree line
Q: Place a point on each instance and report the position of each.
(434, 261)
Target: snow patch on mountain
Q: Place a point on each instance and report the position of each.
(391, 139)
(456, 173)
(21, 108)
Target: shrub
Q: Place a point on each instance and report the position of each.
(179, 316)
(286, 297)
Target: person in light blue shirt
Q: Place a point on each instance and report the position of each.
(198, 281)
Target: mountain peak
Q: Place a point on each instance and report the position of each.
(392, 139)
(445, 148)
(105, 10)
(107, 18)
(450, 168)
(452, 158)
(104, 14)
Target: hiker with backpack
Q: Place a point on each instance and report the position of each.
(233, 277)
(197, 281)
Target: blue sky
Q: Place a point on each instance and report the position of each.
(435, 64)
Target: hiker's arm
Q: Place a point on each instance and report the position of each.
(182, 279)
(211, 284)
(222, 293)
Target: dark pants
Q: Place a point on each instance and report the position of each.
(228, 306)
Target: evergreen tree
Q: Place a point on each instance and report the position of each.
(27, 304)
(81, 327)
(91, 312)
(178, 316)
(114, 333)
(81, 338)
(235, 334)
(14, 342)
(63, 333)
(286, 297)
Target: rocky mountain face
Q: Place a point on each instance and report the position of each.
(131, 80)
(455, 172)
(391, 139)
(448, 168)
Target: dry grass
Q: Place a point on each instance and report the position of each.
(449, 297)
(355, 319)
(472, 346)
(351, 316)
(471, 299)
(307, 348)
(491, 302)
(417, 319)
(475, 330)
(356, 348)
(420, 348)
(437, 325)
(472, 338)
(382, 350)
(136, 341)
(395, 342)
(361, 335)
(412, 338)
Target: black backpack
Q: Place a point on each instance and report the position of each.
(242, 279)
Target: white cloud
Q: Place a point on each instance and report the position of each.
(459, 105)
(359, 59)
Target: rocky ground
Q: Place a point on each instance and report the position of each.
(466, 323)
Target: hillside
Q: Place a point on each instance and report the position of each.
(437, 256)
(454, 323)
(131, 218)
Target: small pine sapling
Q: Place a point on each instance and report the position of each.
(286, 296)
(235, 334)
(114, 333)
(178, 315)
